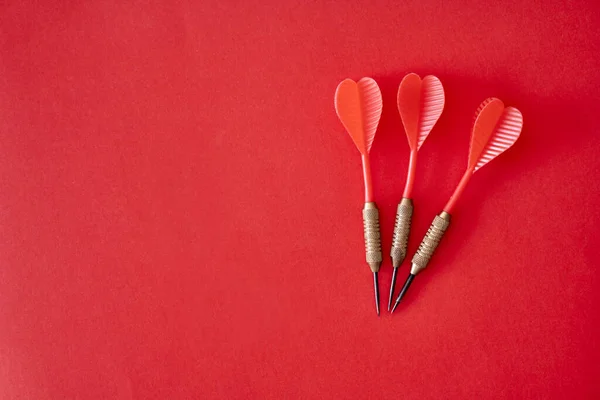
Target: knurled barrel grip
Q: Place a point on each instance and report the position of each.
(372, 236)
(430, 242)
(401, 232)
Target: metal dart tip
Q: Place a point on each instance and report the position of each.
(403, 291)
(376, 285)
(392, 287)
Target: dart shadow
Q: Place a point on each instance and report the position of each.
(443, 159)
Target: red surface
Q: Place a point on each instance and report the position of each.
(180, 208)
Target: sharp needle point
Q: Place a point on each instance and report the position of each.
(403, 291)
(376, 285)
(392, 287)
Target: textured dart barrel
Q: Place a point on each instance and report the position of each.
(401, 232)
(430, 242)
(372, 236)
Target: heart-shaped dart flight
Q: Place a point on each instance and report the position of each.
(496, 129)
(420, 104)
(359, 105)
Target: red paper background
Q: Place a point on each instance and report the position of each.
(180, 208)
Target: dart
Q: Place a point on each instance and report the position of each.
(359, 105)
(496, 129)
(420, 104)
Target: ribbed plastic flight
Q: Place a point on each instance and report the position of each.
(496, 128)
(359, 105)
(420, 104)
